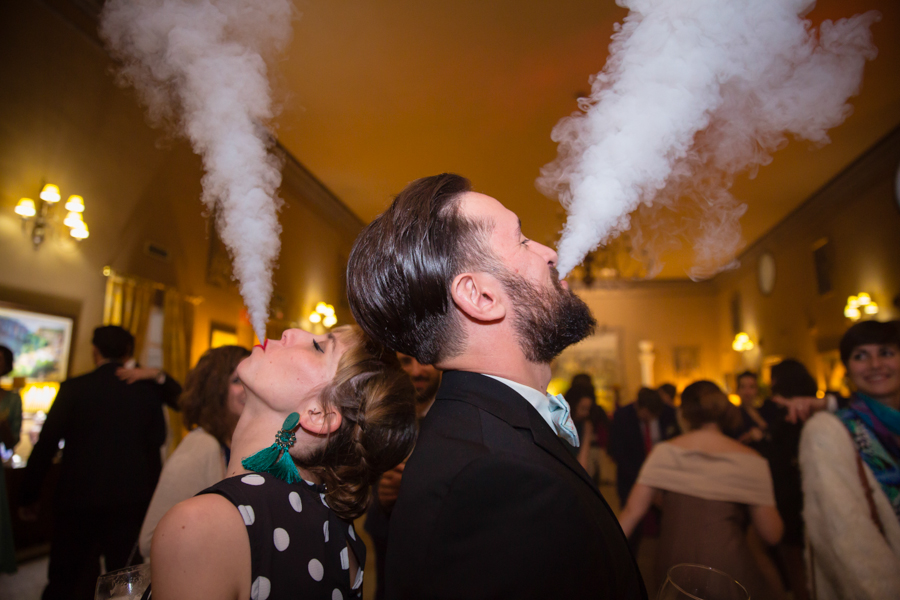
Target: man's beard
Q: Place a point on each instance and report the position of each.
(549, 320)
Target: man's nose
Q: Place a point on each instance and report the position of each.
(549, 254)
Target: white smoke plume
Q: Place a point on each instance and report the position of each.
(695, 92)
(200, 65)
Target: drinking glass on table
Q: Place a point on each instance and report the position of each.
(699, 582)
(124, 584)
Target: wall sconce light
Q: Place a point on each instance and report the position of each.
(742, 342)
(42, 213)
(858, 305)
(323, 314)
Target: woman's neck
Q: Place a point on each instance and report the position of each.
(892, 400)
(256, 431)
(710, 427)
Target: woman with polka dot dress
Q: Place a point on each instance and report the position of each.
(341, 411)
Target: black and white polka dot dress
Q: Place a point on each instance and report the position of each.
(298, 546)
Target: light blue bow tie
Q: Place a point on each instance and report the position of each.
(559, 412)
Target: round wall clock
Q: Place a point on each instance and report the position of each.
(765, 273)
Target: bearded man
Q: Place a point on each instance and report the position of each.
(492, 503)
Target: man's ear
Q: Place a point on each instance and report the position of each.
(478, 296)
(318, 421)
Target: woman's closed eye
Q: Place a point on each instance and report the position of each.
(318, 347)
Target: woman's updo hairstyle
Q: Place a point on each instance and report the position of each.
(703, 402)
(377, 402)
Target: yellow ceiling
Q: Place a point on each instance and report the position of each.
(378, 93)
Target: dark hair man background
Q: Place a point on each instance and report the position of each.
(112, 422)
(635, 429)
(492, 504)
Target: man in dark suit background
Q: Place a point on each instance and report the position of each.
(635, 428)
(112, 423)
(492, 504)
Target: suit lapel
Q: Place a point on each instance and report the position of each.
(506, 404)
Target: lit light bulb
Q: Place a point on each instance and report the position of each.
(80, 233)
(75, 203)
(329, 321)
(320, 308)
(328, 310)
(315, 318)
(863, 299)
(73, 220)
(25, 208)
(871, 308)
(851, 312)
(50, 193)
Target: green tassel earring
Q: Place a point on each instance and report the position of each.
(275, 459)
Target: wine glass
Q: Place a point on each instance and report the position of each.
(124, 584)
(699, 582)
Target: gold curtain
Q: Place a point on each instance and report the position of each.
(176, 324)
(127, 304)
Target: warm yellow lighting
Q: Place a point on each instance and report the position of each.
(39, 396)
(327, 310)
(75, 203)
(742, 342)
(329, 320)
(320, 308)
(81, 232)
(315, 318)
(73, 220)
(107, 271)
(820, 394)
(859, 304)
(50, 193)
(25, 208)
(734, 399)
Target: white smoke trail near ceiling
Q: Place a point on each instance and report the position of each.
(200, 65)
(695, 92)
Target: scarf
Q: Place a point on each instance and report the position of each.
(874, 428)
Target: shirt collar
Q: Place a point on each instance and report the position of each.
(534, 397)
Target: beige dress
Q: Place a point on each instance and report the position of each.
(705, 510)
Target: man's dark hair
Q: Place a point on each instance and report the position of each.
(650, 401)
(668, 389)
(113, 342)
(750, 374)
(791, 379)
(869, 332)
(403, 264)
(7, 360)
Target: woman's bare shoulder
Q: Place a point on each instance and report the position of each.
(201, 544)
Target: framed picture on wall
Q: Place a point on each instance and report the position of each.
(222, 335)
(40, 343)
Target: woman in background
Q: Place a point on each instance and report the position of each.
(711, 487)
(581, 397)
(211, 404)
(10, 430)
(341, 411)
(850, 462)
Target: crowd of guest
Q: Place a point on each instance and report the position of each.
(792, 493)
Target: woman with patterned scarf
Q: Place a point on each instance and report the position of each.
(850, 461)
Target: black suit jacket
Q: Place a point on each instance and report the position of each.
(112, 431)
(492, 505)
(626, 444)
